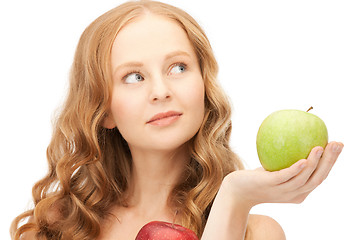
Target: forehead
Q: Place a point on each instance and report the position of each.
(150, 36)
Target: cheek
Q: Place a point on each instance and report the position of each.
(124, 109)
(194, 96)
(198, 100)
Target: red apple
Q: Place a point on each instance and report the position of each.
(157, 230)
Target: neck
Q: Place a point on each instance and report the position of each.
(154, 175)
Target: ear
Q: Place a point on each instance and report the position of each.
(108, 122)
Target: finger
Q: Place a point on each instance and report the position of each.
(286, 174)
(331, 154)
(302, 178)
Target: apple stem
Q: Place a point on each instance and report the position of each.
(309, 109)
(176, 212)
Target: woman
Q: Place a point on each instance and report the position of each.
(144, 135)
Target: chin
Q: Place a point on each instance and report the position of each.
(168, 143)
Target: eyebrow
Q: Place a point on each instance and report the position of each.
(177, 53)
(140, 64)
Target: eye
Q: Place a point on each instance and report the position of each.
(133, 78)
(178, 68)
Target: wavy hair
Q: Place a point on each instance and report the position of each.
(90, 166)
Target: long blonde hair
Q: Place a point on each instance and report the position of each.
(90, 166)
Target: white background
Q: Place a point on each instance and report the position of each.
(272, 54)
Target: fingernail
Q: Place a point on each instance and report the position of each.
(319, 153)
(336, 148)
(303, 165)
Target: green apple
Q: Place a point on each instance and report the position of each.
(286, 136)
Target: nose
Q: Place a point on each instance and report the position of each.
(160, 90)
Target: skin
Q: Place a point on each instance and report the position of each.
(242, 190)
(159, 153)
(164, 75)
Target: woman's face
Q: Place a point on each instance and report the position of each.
(158, 92)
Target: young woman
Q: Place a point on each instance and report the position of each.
(144, 135)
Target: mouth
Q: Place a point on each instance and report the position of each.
(164, 118)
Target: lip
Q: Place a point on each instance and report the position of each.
(164, 118)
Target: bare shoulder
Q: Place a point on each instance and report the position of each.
(264, 227)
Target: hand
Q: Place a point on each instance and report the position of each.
(290, 185)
